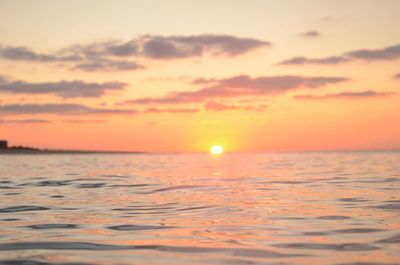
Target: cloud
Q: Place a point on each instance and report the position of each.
(83, 121)
(58, 109)
(387, 54)
(173, 47)
(104, 56)
(217, 106)
(397, 76)
(162, 48)
(63, 89)
(86, 58)
(310, 34)
(170, 110)
(346, 95)
(124, 49)
(327, 60)
(103, 49)
(24, 121)
(239, 86)
(26, 54)
(117, 55)
(107, 65)
(169, 47)
(202, 81)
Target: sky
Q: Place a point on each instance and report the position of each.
(181, 76)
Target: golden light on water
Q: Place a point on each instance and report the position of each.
(216, 150)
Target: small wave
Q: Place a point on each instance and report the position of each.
(179, 187)
(316, 233)
(333, 217)
(194, 208)
(357, 230)
(344, 231)
(115, 176)
(243, 252)
(370, 180)
(147, 208)
(34, 262)
(10, 219)
(136, 227)
(60, 246)
(336, 247)
(57, 196)
(22, 208)
(289, 182)
(53, 183)
(5, 182)
(290, 218)
(389, 206)
(354, 199)
(391, 240)
(368, 263)
(91, 185)
(54, 226)
(7, 187)
(128, 186)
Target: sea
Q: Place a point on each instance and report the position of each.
(236, 208)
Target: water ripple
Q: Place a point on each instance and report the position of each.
(368, 263)
(34, 262)
(91, 185)
(22, 208)
(333, 217)
(390, 207)
(259, 253)
(53, 226)
(391, 240)
(54, 183)
(136, 227)
(336, 247)
(179, 187)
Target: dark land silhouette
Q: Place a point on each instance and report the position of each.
(19, 149)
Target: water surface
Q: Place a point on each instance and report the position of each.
(299, 208)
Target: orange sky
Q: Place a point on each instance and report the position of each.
(172, 76)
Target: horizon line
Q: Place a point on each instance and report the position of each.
(31, 150)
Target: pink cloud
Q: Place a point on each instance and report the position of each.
(216, 106)
(170, 110)
(241, 86)
(346, 95)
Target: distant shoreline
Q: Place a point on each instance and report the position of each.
(12, 151)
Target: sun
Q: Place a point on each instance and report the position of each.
(216, 150)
